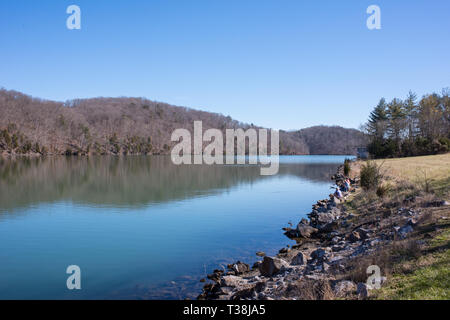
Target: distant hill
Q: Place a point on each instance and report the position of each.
(331, 140)
(132, 126)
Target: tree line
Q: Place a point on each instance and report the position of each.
(410, 127)
(125, 126)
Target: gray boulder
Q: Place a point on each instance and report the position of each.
(336, 212)
(305, 231)
(291, 233)
(232, 281)
(304, 221)
(319, 254)
(405, 230)
(299, 259)
(323, 218)
(271, 266)
(335, 201)
(329, 228)
(240, 267)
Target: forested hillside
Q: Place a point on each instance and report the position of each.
(131, 126)
(331, 140)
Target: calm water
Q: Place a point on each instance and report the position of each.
(141, 227)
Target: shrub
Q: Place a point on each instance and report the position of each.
(26, 147)
(371, 175)
(15, 141)
(425, 146)
(382, 148)
(6, 137)
(383, 190)
(445, 141)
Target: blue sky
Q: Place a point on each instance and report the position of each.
(283, 64)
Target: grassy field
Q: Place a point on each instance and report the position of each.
(432, 170)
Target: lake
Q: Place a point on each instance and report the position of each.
(141, 227)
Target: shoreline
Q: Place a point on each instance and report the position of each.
(326, 263)
(40, 155)
(241, 281)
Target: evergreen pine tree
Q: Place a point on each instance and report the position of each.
(410, 107)
(376, 126)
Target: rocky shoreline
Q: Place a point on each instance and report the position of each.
(323, 262)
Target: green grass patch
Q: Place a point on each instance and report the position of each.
(430, 279)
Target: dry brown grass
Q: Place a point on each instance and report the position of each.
(436, 166)
(358, 266)
(309, 289)
(426, 173)
(429, 173)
